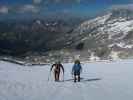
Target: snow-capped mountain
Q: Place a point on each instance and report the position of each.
(112, 31)
(108, 24)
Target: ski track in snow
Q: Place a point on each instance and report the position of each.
(99, 81)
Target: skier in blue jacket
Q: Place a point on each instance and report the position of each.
(76, 70)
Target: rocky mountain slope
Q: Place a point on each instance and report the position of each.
(34, 34)
(109, 36)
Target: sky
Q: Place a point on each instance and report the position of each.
(48, 7)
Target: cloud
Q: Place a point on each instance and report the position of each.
(4, 9)
(126, 6)
(67, 1)
(37, 1)
(55, 1)
(27, 9)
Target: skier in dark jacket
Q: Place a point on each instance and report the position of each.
(76, 70)
(57, 69)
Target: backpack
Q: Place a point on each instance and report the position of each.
(76, 67)
(57, 67)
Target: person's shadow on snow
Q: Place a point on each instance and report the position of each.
(85, 80)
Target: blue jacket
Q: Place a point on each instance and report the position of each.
(76, 68)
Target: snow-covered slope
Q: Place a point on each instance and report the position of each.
(100, 81)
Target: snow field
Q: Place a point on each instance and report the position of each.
(100, 81)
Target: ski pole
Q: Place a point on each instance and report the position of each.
(49, 75)
(63, 77)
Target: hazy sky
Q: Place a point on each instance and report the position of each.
(81, 7)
